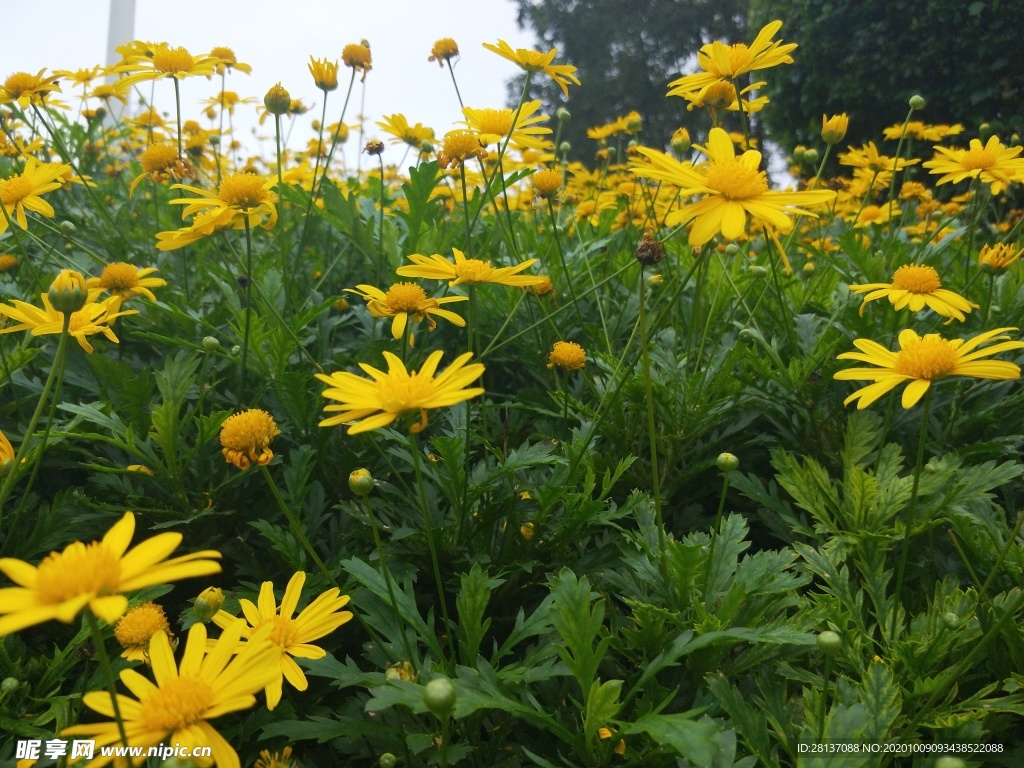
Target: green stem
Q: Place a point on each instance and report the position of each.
(177, 112)
(824, 697)
(280, 184)
(293, 523)
(108, 672)
(651, 426)
(248, 307)
(911, 509)
(709, 573)
(1010, 540)
(429, 531)
(387, 580)
(58, 363)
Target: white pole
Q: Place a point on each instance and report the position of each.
(120, 30)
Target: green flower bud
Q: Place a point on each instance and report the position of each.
(811, 156)
(948, 761)
(829, 642)
(208, 603)
(277, 101)
(731, 249)
(758, 271)
(439, 695)
(950, 620)
(748, 335)
(562, 114)
(917, 101)
(360, 482)
(727, 462)
(68, 227)
(426, 148)
(211, 344)
(236, 350)
(10, 685)
(68, 292)
(388, 760)
(565, 147)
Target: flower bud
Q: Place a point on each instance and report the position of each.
(67, 227)
(811, 156)
(439, 695)
(360, 482)
(562, 114)
(833, 129)
(748, 335)
(917, 101)
(526, 530)
(948, 761)
(236, 350)
(655, 281)
(68, 292)
(426, 147)
(727, 462)
(388, 760)
(829, 642)
(758, 272)
(950, 620)
(798, 152)
(211, 344)
(210, 601)
(277, 101)
(732, 249)
(214, 140)
(10, 685)
(565, 147)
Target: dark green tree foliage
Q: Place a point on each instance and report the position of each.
(626, 54)
(868, 57)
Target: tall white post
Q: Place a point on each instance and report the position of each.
(120, 30)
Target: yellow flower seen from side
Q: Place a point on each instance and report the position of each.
(6, 455)
(137, 627)
(160, 162)
(546, 182)
(733, 188)
(916, 286)
(458, 147)
(228, 60)
(95, 317)
(922, 361)
(567, 355)
(833, 129)
(26, 89)
(535, 61)
(444, 50)
(177, 704)
(325, 74)
(291, 635)
(127, 281)
(492, 126)
(357, 56)
(22, 191)
(993, 163)
(163, 61)
(282, 759)
(239, 196)
(384, 397)
(996, 258)
(404, 300)
(467, 271)
(95, 576)
(8, 262)
(245, 438)
(876, 214)
(398, 127)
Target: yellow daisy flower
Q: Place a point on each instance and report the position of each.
(995, 259)
(126, 281)
(94, 575)
(916, 286)
(924, 360)
(491, 126)
(95, 317)
(176, 708)
(535, 61)
(26, 89)
(228, 60)
(22, 191)
(238, 196)
(467, 271)
(137, 627)
(325, 73)
(720, 61)
(379, 401)
(358, 57)
(733, 188)
(292, 637)
(993, 163)
(567, 355)
(162, 61)
(404, 299)
(282, 759)
(444, 50)
(6, 455)
(868, 158)
(398, 126)
(245, 438)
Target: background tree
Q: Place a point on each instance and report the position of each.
(626, 53)
(867, 57)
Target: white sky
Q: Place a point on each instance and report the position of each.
(277, 37)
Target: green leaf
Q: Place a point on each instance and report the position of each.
(602, 705)
(471, 603)
(695, 741)
(579, 626)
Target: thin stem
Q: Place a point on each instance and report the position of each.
(108, 672)
(296, 528)
(387, 580)
(248, 307)
(911, 509)
(565, 271)
(651, 426)
(457, 94)
(709, 573)
(280, 184)
(58, 359)
(177, 112)
(824, 697)
(429, 531)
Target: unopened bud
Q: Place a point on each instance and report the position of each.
(67, 227)
(211, 344)
(388, 760)
(67, 292)
(811, 156)
(210, 601)
(727, 462)
(360, 482)
(10, 685)
(759, 272)
(950, 620)
(565, 147)
(917, 101)
(439, 695)
(277, 101)
(562, 114)
(829, 642)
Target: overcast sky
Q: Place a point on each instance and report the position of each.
(277, 37)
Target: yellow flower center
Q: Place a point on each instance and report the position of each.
(176, 704)
(496, 121)
(736, 181)
(546, 182)
(250, 430)
(81, 569)
(172, 60)
(399, 393)
(140, 624)
(740, 57)
(930, 358)
(405, 297)
(472, 271)
(244, 190)
(445, 48)
(15, 189)
(119, 278)
(978, 157)
(284, 632)
(916, 279)
(356, 56)
(459, 145)
(21, 82)
(226, 54)
(158, 157)
(567, 355)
